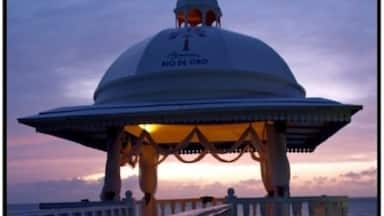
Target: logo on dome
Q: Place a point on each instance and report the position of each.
(185, 57)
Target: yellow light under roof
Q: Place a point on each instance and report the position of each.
(175, 133)
(149, 127)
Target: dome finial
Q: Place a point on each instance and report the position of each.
(197, 12)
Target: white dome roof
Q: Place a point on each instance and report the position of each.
(197, 75)
(197, 63)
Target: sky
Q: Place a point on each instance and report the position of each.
(58, 51)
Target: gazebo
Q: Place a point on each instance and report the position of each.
(197, 89)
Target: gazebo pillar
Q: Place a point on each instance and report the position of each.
(112, 180)
(275, 168)
(266, 177)
(148, 178)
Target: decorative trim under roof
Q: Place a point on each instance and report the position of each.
(309, 121)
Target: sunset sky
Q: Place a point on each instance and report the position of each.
(58, 51)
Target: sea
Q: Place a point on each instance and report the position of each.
(356, 207)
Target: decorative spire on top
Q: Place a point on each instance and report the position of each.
(197, 12)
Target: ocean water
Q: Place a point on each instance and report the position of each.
(362, 206)
(356, 207)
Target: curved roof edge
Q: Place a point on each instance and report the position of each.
(316, 119)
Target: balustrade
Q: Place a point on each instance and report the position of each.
(291, 206)
(231, 205)
(172, 206)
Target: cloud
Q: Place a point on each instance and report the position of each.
(320, 180)
(352, 175)
(76, 189)
(30, 138)
(368, 174)
(352, 183)
(52, 191)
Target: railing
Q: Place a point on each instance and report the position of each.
(112, 210)
(292, 206)
(126, 207)
(204, 206)
(172, 206)
(220, 210)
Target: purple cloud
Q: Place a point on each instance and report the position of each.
(356, 176)
(76, 189)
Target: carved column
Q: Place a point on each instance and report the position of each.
(277, 159)
(112, 180)
(266, 177)
(148, 178)
(275, 171)
(267, 208)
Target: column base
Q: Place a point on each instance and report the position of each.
(109, 196)
(149, 205)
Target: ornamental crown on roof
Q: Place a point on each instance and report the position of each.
(197, 12)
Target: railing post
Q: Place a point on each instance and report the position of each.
(214, 202)
(173, 207)
(311, 207)
(246, 209)
(131, 203)
(297, 208)
(281, 206)
(317, 208)
(328, 207)
(162, 208)
(267, 206)
(232, 200)
(183, 205)
(254, 209)
(344, 207)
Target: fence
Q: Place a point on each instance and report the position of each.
(231, 205)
